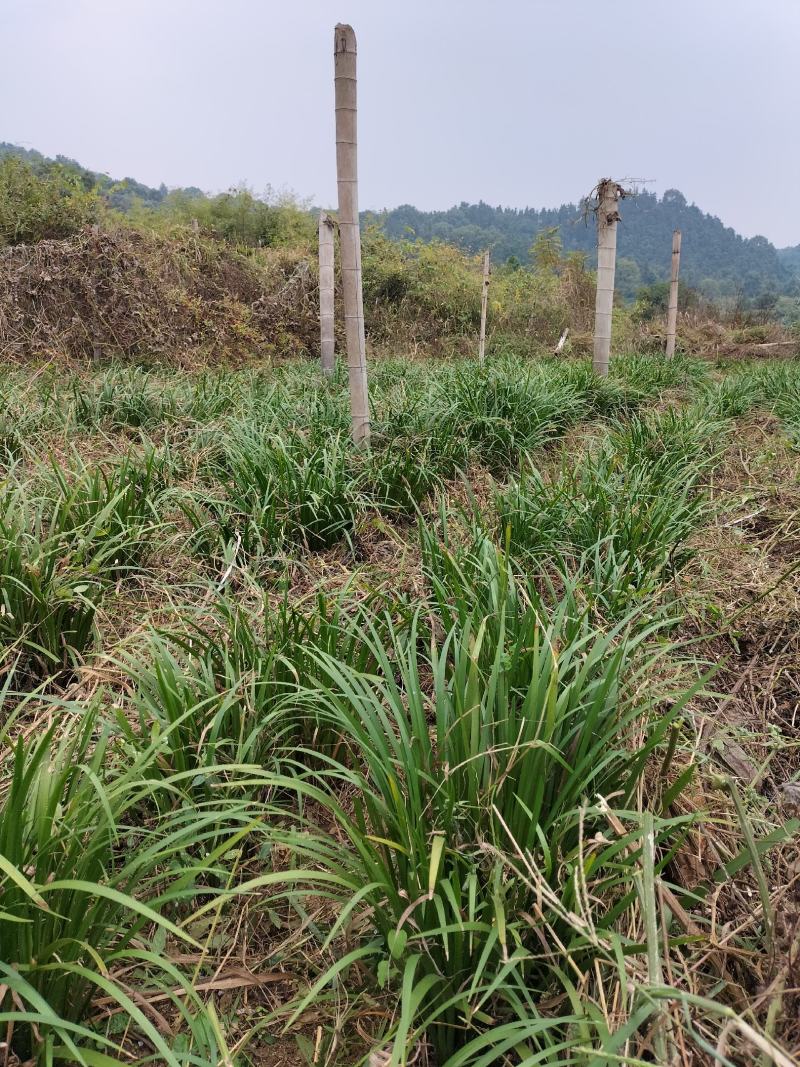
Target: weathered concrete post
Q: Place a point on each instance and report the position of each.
(344, 61)
(609, 193)
(484, 305)
(326, 324)
(672, 311)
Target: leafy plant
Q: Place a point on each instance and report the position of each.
(47, 602)
(88, 888)
(278, 491)
(502, 415)
(482, 750)
(110, 513)
(210, 694)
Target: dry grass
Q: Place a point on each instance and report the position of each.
(131, 294)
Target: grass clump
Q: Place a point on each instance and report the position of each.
(475, 756)
(623, 514)
(211, 691)
(278, 491)
(47, 600)
(110, 513)
(90, 888)
(502, 414)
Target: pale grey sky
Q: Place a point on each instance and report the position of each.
(516, 102)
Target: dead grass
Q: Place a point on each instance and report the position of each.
(136, 295)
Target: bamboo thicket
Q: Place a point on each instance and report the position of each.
(609, 193)
(344, 60)
(326, 322)
(672, 310)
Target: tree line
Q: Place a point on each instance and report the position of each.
(42, 197)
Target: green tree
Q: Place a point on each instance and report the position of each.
(33, 206)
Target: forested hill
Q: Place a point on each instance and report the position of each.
(790, 258)
(121, 194)
(714, 257)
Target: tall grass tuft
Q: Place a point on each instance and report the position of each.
(482, 748)
(624, 513)
(91, 888)
(47, 600)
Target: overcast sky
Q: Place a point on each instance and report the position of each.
(516, 102)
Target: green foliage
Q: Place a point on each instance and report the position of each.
(34, 207)
(648, 375)
(440, 789)
(652, 300)
(711, 251)
(284, 490)
(623, 516)
(238, 216)
(41, 197)
(502, 413)
(494, 763)
(110, 513)
(87, 887)
(59, 550)
(432, 286)
(790, 257)
(47, 600)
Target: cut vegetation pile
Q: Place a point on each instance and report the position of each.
(424, 752)
(126, 293)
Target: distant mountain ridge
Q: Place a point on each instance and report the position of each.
(715, 259)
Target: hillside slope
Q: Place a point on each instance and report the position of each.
(715, 258)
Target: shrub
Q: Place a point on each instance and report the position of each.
(34, 207)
